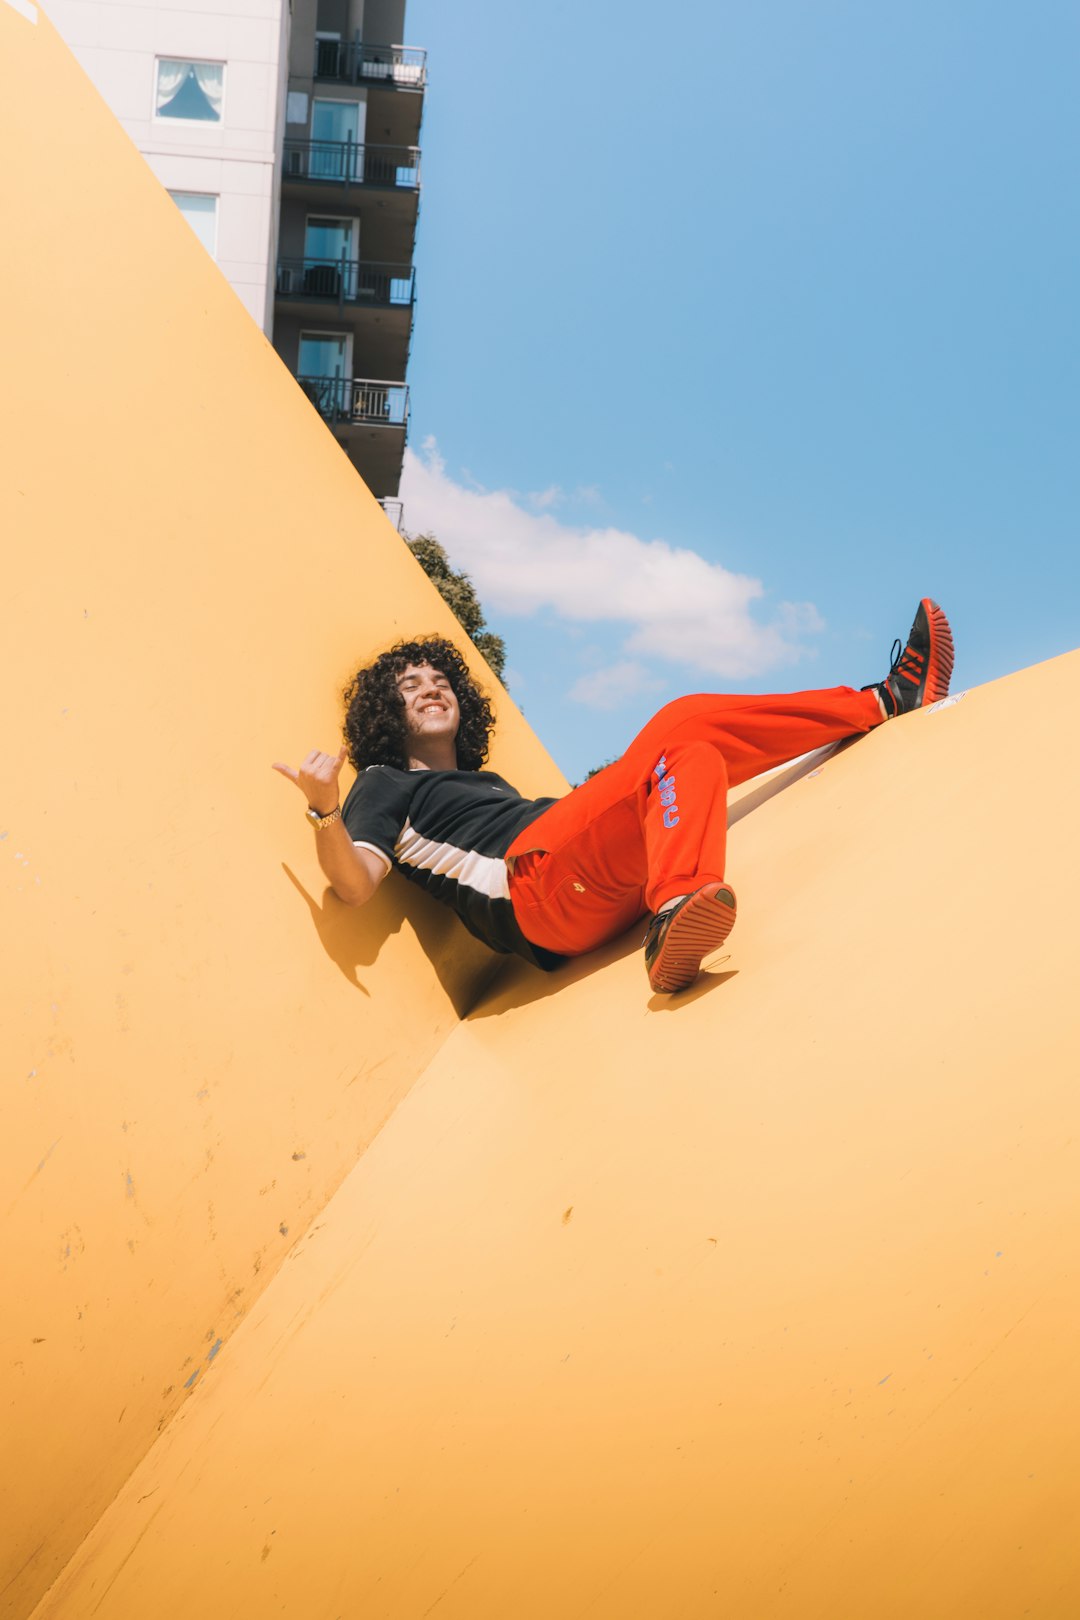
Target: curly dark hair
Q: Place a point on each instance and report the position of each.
(375, 713)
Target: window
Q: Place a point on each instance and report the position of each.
(335, 136)
(192, 90)
(200, 211)
(330, 59)
(325, 358)
(330, 255)
(324, 354)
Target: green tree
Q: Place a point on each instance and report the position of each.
(459, 593)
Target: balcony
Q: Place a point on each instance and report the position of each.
(370, 420)
(359, 401)
(393, 67)
(346, 163)
(395, 511)
(346, 282)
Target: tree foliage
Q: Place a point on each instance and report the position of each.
(459, 593)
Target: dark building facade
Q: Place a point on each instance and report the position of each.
(345, 284)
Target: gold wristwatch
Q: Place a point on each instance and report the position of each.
(319, 821)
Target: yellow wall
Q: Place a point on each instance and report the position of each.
(197, 1045)
(757, 1302)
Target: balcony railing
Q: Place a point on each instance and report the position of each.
(402, 67)
(346, 281)
(346, 163)
(394, 510)
(358, 400)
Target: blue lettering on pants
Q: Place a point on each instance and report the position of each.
(665, 784)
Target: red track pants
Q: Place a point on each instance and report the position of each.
(654, 824)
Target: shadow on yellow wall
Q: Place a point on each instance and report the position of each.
(354, 938)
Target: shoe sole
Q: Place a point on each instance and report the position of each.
(703, 923)
(939, 665)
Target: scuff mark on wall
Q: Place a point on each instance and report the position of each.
(49, 1154)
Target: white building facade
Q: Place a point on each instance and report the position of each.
(201, 92)
(287, 133)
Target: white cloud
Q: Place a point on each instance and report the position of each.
(674, 604)
(546, 498)
(609, 688)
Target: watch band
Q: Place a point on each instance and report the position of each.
(319, 821)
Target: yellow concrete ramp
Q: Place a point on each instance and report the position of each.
(197, 1045)
(757, 1302)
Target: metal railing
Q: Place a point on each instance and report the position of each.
(347, 163)
(346, 281)
(402, 67)
(358, 400)
(394, 510)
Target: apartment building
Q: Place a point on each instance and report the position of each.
(289, 139)
(350, 198)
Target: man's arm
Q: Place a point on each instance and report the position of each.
(354, 874)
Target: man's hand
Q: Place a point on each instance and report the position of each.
(317, 779)
(354, 873)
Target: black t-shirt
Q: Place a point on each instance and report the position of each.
(449, 831)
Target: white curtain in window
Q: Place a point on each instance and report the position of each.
(169, 78)
(207, 77)
(210, 77)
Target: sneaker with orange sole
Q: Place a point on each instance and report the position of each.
(920, 672)
(681, 937)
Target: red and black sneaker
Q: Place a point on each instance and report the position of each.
(682, 936)
(921, 671)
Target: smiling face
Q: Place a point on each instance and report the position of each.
(431, 709)
(386, 700)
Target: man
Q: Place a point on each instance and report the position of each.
(552, 878)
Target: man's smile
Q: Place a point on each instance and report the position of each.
(431, 708)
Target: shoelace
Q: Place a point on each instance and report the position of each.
(906, 662)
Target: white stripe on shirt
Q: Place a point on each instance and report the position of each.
(485, 873)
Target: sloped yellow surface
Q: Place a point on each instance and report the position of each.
(197, 1044)
(758, 1301)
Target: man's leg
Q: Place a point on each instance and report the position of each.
(620, 844)
(698, 747)
(690, 924)
(624, 840)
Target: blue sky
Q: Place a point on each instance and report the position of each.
(734, 340)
